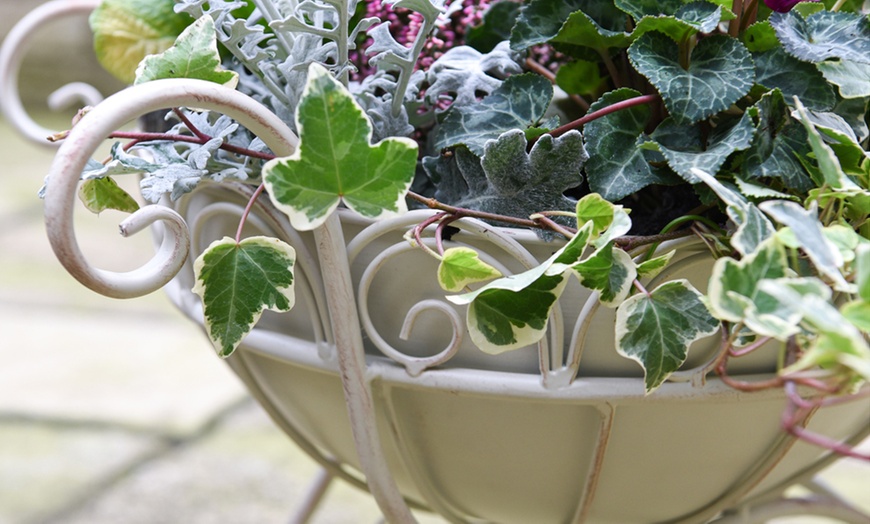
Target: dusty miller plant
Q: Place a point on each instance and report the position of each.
(744, 124)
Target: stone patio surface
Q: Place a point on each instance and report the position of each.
(120, 412)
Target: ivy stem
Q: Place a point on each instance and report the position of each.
(640, 288)
(418, 234)
(676, 222)
(439, 231)
(247, 211)
(624, 104)
(552, 224)
(748, 349)
(546, 73)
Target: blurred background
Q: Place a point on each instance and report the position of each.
(118, 411)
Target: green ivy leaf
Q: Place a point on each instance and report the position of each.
(824, 35)
(753, 227)
(519, 103)
(462, 266)
(656, 330)
(513, 311)
(720, 72)
(811, 237)
(853, 78)
(194, 55)
(858, 313)
(237, 282)
(688, 146)
(862, 271)
(778, 69)
(336, 162)
(126, 31)
(617, 167)
(100, 194)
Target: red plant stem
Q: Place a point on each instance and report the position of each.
(625, 104)
(554, 226)
(147, 137)
(748, 349)
(439, 231)
(640, 288)
(247, 211)
(186, 121)
(418, 229)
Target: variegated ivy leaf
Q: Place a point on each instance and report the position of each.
(811, 237)
(837, 342)
(753, 227)
(852, 78)
(778, 145)
(100, 194)
(688, 146)
(237, 282)
(194, 55)
(541, 20)
(336, 162)
(461, 266)
(652, 267)
(610, 271)
(656, 329)
(733, 293)
(720, 72)
(617, 167)
(824, 35)
(519, 103)
(862, 271)
(513, 311)
(829, 165)
(126, 31)
(778, 69)
(594, 208)
(858, 313)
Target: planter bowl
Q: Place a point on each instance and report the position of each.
(477, 437)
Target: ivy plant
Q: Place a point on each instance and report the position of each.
(742, 124)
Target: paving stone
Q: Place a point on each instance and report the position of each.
(45, 468)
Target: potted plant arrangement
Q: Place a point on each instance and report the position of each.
(684, 184)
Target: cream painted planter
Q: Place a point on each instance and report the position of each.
(494, 438)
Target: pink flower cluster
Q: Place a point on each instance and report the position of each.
(405, 25)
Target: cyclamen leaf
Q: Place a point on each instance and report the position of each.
(462, 266)
(237, 282)
(689, 19)
(336, 162)
(853, 78)
(579, 77)
(513, 311)
(581, 30)
(778, 144)
(519, 103)
(194, 55)
(126, 31)
(760, 37)
(753, 228)
(641, 8)
(616, 166)
(808, 231)
(100, 194)
(687, 147)
(720, 72)
(656, 330)
(778, 69)
(498, 19)
(824, 35)
(541, 20)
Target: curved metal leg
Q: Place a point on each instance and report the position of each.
(314, 497)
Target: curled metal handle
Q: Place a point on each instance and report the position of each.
(14, 48)
(89, 133)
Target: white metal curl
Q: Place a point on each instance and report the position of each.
(11, 54)
(89, 133)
